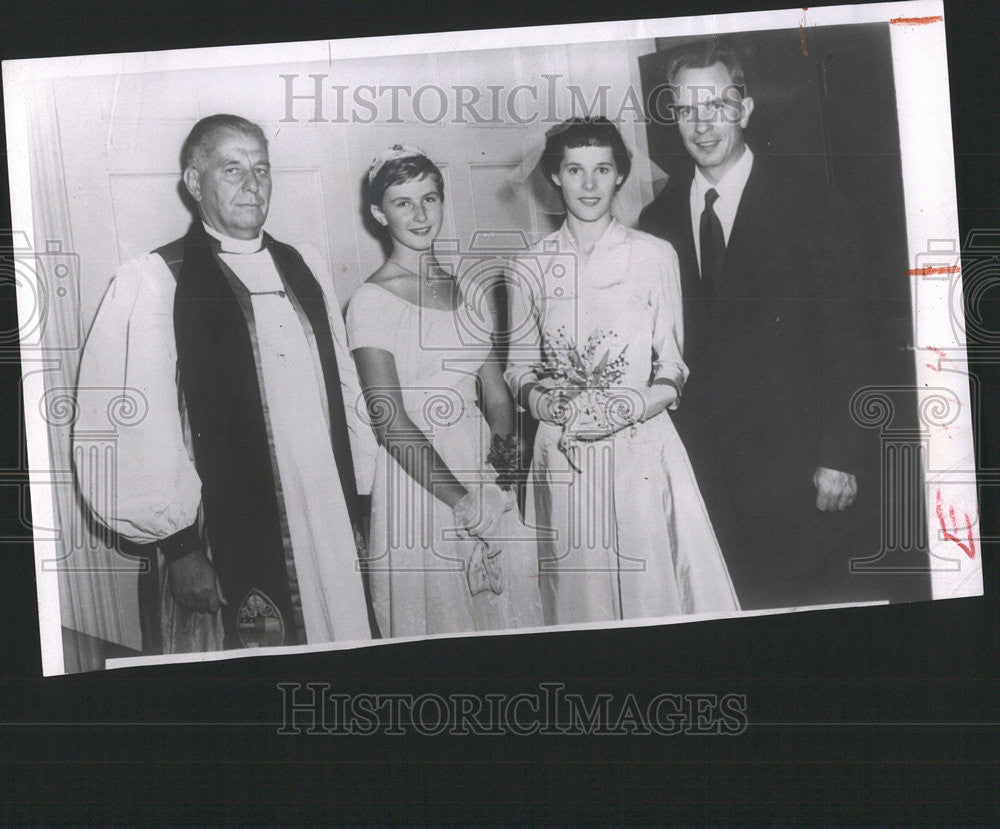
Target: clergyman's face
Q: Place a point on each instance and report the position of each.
(233, 185)
(711, 116)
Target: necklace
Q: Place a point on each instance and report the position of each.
(425, 278)
(430, 282)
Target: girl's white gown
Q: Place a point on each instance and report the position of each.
(628, 536)
(416, 559)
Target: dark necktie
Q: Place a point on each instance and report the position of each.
(713, 244)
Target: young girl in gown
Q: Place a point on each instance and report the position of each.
(447, 549)
(595, 356)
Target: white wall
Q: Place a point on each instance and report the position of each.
(119, 139)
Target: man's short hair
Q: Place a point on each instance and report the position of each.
(197, 143)
(705, 53)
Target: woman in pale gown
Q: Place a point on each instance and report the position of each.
(595, 356)
(447, 551)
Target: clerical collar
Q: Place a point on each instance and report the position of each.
(231, 245)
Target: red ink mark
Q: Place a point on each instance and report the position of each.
(802, 31)
(941, 354)
(916, 21)
(276, 134)
(969, 550)
(934, 271)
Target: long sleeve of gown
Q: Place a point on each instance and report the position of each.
(525, 350)
(132, 463)
(668, 317)
(364, 448)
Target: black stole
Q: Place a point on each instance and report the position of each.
(220, 384)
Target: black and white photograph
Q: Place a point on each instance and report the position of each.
(520, 414)
(345, 344)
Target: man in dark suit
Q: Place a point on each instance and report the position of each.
(777, 342)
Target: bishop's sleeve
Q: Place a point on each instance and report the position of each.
(132, 463)
(525, 349)
(668, 316)
(364, 449)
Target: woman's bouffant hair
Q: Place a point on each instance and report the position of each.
(584, 132)
(400, 171)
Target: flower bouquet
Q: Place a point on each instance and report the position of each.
(505, 457)
(588, 392)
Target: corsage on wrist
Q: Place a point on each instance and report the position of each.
(505, 457)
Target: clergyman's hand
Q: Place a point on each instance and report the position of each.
(834, 490)
(194, 584)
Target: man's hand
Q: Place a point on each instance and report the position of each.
(194, 584)
(834, 490)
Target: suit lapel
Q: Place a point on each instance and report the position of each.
(678, 212)
(752, 232)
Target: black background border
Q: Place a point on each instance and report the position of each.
(868, 715)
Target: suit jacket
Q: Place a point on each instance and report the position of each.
(777, 353)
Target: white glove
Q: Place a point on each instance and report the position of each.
(480, 511)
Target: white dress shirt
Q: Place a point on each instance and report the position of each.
(730, 190)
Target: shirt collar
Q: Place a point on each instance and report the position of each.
(231, 245)
(732, 184)
(614, 234)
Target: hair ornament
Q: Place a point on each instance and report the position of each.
(396, 151)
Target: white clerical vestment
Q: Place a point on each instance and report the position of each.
(132, 347)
